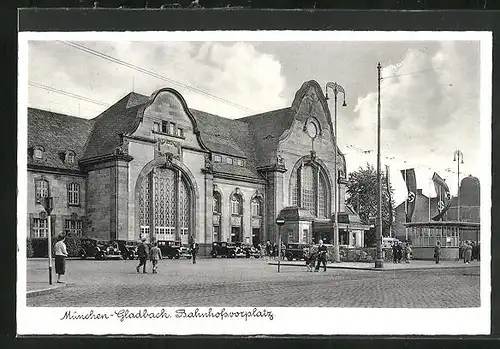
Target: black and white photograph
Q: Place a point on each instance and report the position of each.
(254, 182)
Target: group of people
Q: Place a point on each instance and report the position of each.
(469, 251)
(154, 255)
(401, 251)
(270, 250)
(315, 256)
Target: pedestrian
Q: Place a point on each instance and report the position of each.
(461, 251)
(321, 256)
(61, 254)
(468, 253)
(474, 250)
(394, 252)
(155, 256)
(407, 252)
(143, 254)
(437, 251)
(464, 252)
(399, 252)
(194, 250)
(268, 249)
(478, 251)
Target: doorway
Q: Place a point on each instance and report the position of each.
(235, 234)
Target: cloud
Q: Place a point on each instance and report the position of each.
(429, 108)
(236, 72)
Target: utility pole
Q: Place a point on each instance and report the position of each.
(379, 259)
(458, 156)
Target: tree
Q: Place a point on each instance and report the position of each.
(362, 196)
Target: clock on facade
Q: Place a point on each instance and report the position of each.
(312, 130)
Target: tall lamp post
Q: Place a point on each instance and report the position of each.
(279, 222)
(336, 90)
(458, 156)
(379, 259)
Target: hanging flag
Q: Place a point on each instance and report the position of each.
(388, 187)
(443, 196)
(411, 185)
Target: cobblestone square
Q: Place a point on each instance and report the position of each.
(253, 282)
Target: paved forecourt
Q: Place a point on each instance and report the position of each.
(252, 282)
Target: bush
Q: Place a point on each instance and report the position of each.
(73, 245)
(29, 248)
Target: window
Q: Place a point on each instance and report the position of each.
(156, 127)
(73, 227)
(70, 158)
(74, 194)
(256, 207)
(171, 129)
(241, 162)
(229, 160)
(41, 188)
(305, 234)
(180, 132)
(164, 126)
(38, 153)
(308, 199)
(236, 205)
(217, 158)
(217, 202)
(40, 228)
(309, 189)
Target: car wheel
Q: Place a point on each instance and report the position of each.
(170, 257)
(83, 255)
(100, 256)
(214, 255)
(289, 257)
(177, 256)
(131, 257)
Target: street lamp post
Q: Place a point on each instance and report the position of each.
(336, 90)
(458, 156)
(279, 222)
(379, 259)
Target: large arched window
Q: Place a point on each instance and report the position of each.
(309, 189)
(165, 192)
(217, 202)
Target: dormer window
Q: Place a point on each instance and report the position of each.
(156, 127)
(217, 158)
(164, 126)
(241, 162)
(229, 160)
(70, 157)
(179, 132)
(171, 129)
(38, 153)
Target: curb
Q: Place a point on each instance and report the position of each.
(41, 291)
(377, 269)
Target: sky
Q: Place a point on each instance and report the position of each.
(429, 90)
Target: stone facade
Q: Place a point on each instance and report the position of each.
(152, 167)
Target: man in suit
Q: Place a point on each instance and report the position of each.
(143, 254)
(321, 256)
(194, 250)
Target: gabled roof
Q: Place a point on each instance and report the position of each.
(57, 134)
(266, 129)
(118, 119)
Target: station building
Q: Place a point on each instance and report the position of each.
(153, 167)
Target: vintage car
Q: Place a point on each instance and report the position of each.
(170, 249)
(128, 248)
(185, 252)
(223, 249)
(295, 251)
(99, 249)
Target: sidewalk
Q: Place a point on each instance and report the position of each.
(38, 288)
(388, 266)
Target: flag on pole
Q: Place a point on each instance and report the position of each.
(443, 196)
(388, 187)
(411, 185)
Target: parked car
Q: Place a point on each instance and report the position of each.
(295, 251)
(128, 248)
(185, 252)
(170, 249)
(223, 249)
(99, 249)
